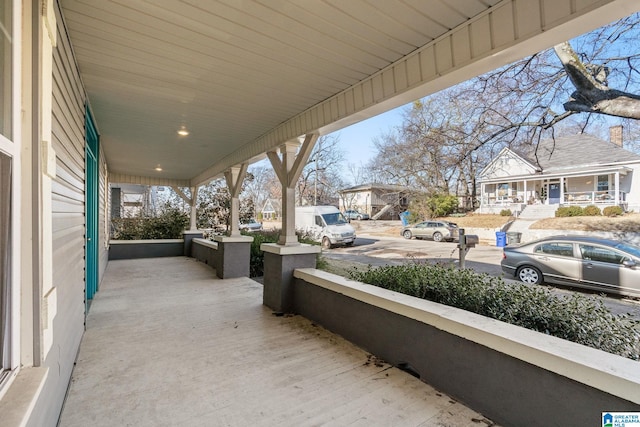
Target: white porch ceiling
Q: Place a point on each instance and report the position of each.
(244, 76)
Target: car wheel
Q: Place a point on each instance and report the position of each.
(529, 275)
(350, 244)
(406, 234)
(326, 243)
(437, 237)
(359, 217)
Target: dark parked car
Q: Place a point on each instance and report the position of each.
(587, 262)
(353, 214)
(436, 230)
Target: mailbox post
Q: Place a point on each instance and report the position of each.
(465, 242)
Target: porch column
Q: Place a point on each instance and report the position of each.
(482, 196)
(193, 232)
(288, 170)
(234, 177)
(281, 259)
(193, 217)
(561, 190)
(233, 254)
(525, 199)
(616, 188)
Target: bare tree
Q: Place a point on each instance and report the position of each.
(321, 178)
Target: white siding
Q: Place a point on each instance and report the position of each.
(68, 229)
(506, 165)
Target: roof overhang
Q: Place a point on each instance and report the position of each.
(244, 77)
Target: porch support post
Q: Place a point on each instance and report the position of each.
(562, 190)
(194, 211)
(281, 259)
(482, 196)
(234, 177)
(233, 255)
(616, 187)
(191, 201)
(193, 232)
(525, 199)
(288, 170)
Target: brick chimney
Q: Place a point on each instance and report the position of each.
(615, 135)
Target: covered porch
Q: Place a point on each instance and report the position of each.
(601, 187)
(168, 343)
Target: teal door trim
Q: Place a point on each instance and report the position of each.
(91, 206)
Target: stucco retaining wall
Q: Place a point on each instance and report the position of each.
(512, 375)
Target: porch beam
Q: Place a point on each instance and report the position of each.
(182, 195)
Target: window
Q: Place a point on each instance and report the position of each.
(603, 183)
(560, 249)
(5, 264)
(6, 67)
(596, 253)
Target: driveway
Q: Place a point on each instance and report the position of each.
(379, 250)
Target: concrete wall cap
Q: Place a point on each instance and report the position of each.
(233, 239)
(146, 242)
(205, 242)
(300, 249)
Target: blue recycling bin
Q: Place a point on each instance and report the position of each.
(501, 239)
(404, 217)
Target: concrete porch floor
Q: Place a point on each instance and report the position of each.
(167, 343)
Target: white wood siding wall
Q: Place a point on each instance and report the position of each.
(68, 225)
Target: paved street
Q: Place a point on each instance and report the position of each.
(379, 250)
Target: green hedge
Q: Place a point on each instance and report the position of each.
(575, 318)
(256, 262)
(591, 210)
(168, 225)
(566, 211)
(612, 211)
(506, 212)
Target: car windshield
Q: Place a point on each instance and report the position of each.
(633, 250)
(334, 218)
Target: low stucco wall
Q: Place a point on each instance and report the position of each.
(510, 374)
(132, 249)
(205, 251)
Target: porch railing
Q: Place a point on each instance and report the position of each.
(607, 197)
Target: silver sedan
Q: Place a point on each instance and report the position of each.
(588, 262)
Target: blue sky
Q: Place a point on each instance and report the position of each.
(357, 140)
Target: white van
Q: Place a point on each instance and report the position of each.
(326, 224)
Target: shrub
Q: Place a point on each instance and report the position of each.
(566, 211)
(505, 212)
(433, 206)
(168, 225)
(575, 318)
(256, 258)
(591, 210)
(612, 211)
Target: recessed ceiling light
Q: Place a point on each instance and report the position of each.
(158, 168)
(183, 131)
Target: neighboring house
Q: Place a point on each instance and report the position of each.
(272, 210)
(379, 201)
(575, 170)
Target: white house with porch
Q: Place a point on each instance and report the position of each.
(574, 170)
